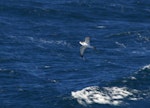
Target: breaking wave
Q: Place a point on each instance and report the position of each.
(115, 95)
(104, 95)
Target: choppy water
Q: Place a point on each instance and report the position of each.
(40, 65)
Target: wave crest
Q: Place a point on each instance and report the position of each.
(106, 95)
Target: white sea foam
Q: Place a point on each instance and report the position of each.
(46, 67)
(146, 67)
(120, 44)
(133, 78)
(55, 42)
(101, 27)
(106, 95)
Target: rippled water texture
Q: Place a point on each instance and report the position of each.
(40, 63)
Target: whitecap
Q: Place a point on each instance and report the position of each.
(43, 41)
(120, 44)
(133, 78)
(55, 42)
(101, 27)
(146, 67)
(106, 95)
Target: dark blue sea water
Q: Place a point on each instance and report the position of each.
(40, 63)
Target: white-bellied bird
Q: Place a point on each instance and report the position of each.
(85, 44)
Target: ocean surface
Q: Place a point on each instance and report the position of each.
(40, 63)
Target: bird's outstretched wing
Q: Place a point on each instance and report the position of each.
(87, 40)
(82, 49)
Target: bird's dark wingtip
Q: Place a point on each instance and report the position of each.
(81, 55)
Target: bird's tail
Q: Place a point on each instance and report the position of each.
(94, 48)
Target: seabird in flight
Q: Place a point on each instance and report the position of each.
(85, 44)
